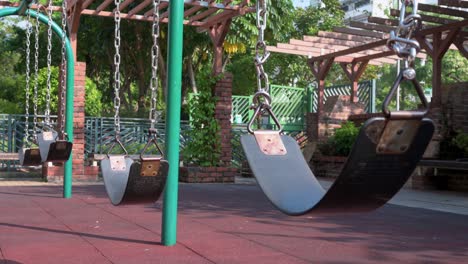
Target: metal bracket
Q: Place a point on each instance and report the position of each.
(397, 136)
(150, 167)
(117, 163)
(270, 142)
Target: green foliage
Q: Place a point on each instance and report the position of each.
(341, 142)
(461, 142)
(93, 106)
(203, 149)
(312, 19)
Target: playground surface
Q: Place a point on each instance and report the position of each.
(225, 223)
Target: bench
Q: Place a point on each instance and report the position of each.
(9, 156)
(459, 164)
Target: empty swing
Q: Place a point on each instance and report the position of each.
(386, 151)
(143, 179)
(29, 154)
(54, 146)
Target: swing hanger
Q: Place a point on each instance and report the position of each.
(402, 42)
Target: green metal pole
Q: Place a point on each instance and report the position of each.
(67, 180)
(174, 80)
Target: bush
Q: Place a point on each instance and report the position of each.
(204, 146)
(341, 142)
(461, 142)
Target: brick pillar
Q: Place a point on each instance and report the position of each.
(55, 173)
(223, 91)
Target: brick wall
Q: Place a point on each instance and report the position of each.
(337, 109)
(223, 91)
(80, 172)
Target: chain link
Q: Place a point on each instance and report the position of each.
(402, 40)
(28, 72)
(261, 54)
(117, 68)
(36, 75)
(63, 71)
(154, 63)
(49, 62)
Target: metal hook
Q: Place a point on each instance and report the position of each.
(407, 74)
(152, 139)
(117, 141)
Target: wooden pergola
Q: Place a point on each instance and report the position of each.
(361, 44)
(213, 16)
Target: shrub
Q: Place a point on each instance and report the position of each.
(461, 142)
(204, 146)
(341, 142)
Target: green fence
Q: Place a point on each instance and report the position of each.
(364, 94)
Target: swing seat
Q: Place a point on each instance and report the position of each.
(139, 181)
(59, 151)
(29, 157)
(383, 157)
(53, 149)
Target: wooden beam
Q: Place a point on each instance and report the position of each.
(103, 6)
(454, 3)
(124, 4)
(219, 18)
(428, 31)
(332, 41)
(369, 26)
(359, 32)
(353, 50)
(87, 3)
(383, 21)
(310, 54)
(192, 10)
(345, 36)
(203, 14)
(443, 10)
(139, 7)
(427, 18)
(162, 5)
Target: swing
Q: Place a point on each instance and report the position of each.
(54, 146)
(28, 154)
(386, 152)
(141, 180)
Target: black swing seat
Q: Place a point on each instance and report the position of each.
(130, 181)
(29, 157)
(382, 159)
(53, 149)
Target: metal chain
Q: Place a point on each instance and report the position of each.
(63, 75)
(261, 54)
(117, 68)
(154, 63)
(28, 72)
(36, 76)
(402, 40)
(49, 62)
(262, 99)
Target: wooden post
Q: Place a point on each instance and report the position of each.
(320, 69)
(217, 33)
(437, 50)
(354, 71)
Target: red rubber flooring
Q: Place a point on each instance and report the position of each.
(217, 224)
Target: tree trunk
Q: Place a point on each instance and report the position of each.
(191, 73)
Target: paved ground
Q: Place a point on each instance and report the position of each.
(232, 223)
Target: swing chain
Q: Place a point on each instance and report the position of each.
(261, 102)
(36, 75)
(28, 62)
(261, 54)
(49, 62)
(154, 63)
(404, 44)
(117, 69)
(63, 76)
(402, 40)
